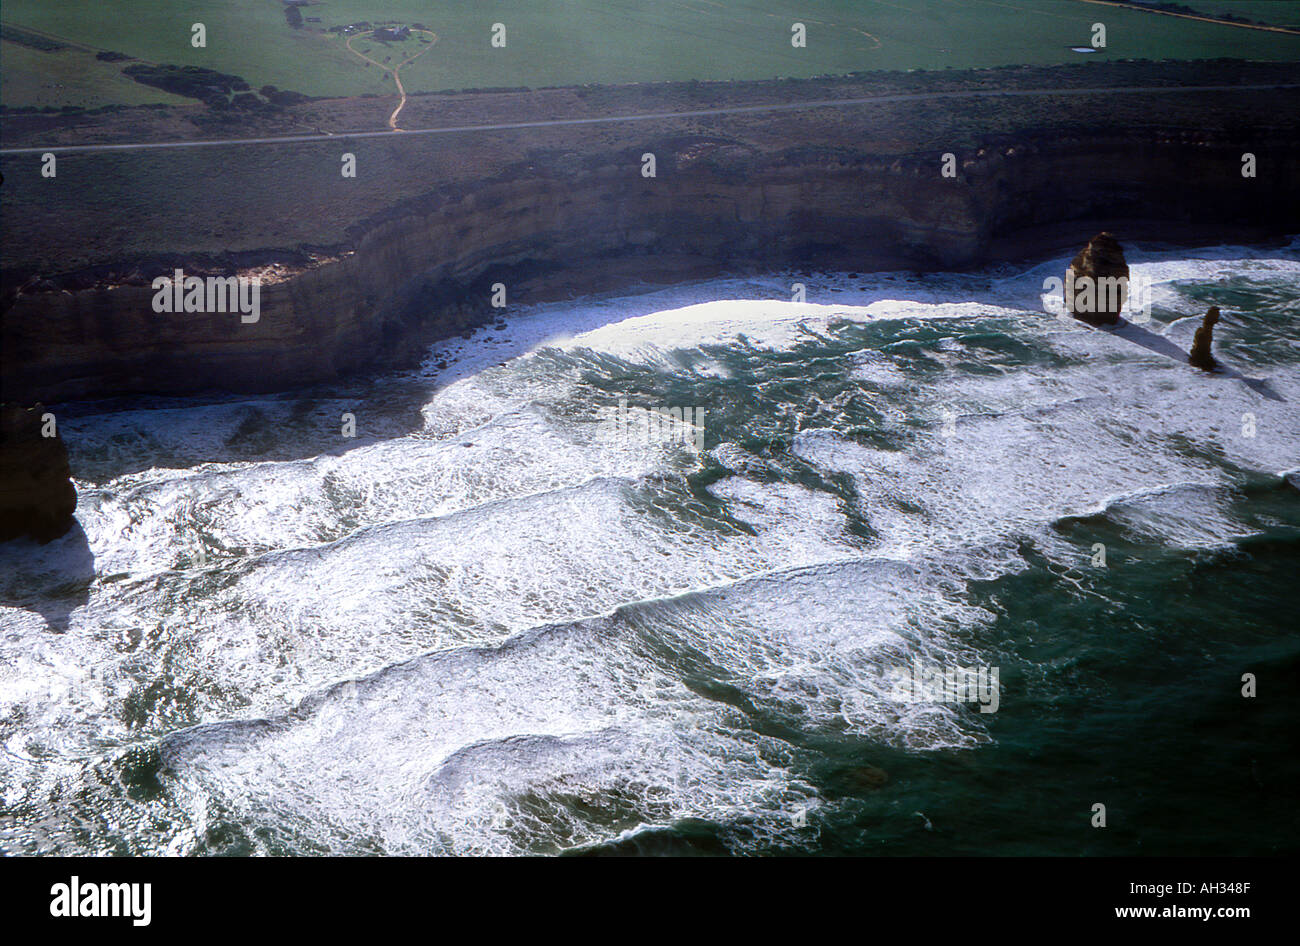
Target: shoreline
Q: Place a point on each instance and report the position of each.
(638, 275)
(439, 230)
(612, 290)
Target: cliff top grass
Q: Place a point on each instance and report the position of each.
(549, 43)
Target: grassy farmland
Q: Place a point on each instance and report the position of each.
(565, 42)
(68, 76)
(1273, 12)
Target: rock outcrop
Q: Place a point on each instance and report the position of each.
(1202, 356)
(1096, 282)
(37, 498)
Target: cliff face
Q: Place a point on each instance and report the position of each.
(563, 225)
(37, 497)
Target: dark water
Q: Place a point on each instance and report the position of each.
(496, 622)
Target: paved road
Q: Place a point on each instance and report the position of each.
(650, 116)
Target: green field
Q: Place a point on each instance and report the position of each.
(1273, 12)
(566, 42)
(68, 77)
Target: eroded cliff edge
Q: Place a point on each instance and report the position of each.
(577, 216)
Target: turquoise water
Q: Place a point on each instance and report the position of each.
(496, 622)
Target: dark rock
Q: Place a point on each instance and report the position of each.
(855, 781)
(1096, 284)
(868, 777)
(1202, 357)
(37, 498)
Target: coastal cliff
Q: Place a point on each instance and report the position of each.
(562, 223)
(37, 498)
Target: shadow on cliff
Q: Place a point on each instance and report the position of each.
(1163, 346)
(51, 580)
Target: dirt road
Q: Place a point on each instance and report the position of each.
(396, 70)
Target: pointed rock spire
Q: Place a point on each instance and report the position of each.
(1202, 356)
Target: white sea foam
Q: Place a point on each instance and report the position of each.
(485, 627)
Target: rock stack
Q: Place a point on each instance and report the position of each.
(1202, 357)
(1096, 284)
(37, 497)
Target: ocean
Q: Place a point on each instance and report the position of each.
(484, 607)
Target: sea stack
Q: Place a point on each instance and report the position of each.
(1202, 357)
(37, 498)
(1096, 284)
